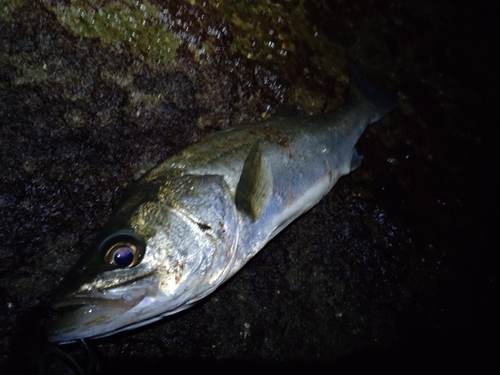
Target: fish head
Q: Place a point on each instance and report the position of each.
(157, 255)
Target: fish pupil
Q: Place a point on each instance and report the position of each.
(123, 257)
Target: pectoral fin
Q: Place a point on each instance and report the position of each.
(255, 184)
(355, 160)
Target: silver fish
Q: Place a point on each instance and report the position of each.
(192, 222)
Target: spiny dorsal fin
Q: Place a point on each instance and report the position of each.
(255, 184)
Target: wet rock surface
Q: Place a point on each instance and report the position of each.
(396, 268)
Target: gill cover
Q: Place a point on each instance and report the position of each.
(199, 237)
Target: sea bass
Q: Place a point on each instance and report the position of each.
(192, 222)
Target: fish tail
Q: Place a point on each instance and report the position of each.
(363, 91)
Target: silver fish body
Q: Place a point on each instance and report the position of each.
(192, 222)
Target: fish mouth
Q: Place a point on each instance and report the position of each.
(99, 313)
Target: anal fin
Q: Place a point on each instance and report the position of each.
(355, 160)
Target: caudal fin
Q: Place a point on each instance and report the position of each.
(362, 90)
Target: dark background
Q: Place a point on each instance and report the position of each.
(396, 269)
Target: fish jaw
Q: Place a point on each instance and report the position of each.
(94, 313)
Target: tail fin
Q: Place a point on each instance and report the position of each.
(363, 90)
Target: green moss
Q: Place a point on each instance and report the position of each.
(29, 71)
(127, 22)
(122, 79)
(261, 30)
(8, 6)
(279, 33)
(146, 102)
(266, 31)
(74, 118)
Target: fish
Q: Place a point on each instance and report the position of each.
(190, 223)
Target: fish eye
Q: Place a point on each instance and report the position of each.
(123, 249)
(122, 255)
